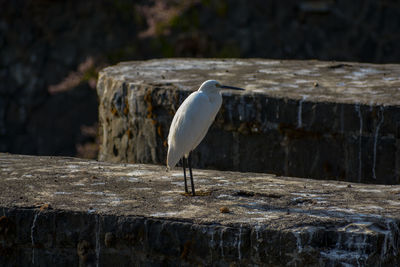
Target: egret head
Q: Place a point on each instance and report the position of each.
(212, 86)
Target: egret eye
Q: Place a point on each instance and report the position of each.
(217, 85)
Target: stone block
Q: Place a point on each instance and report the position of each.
(75, 212)
(299, 118)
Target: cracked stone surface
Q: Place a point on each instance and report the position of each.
(69, 211)
(312, 119)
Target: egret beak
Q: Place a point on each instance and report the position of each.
(231, 87)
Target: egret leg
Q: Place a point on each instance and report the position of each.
(190, 170)
(184, 173)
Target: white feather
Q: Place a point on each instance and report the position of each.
(191, 123)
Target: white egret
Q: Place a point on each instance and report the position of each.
(191, 122)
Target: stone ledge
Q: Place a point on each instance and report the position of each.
(318, 81)
(69, 211)
(313, 119)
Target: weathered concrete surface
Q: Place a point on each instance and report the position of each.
(69, 212)
(309, 119)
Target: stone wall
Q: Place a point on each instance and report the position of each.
(72, 212)
(43, 45)
(315, 119)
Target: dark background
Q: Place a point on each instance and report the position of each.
(51, 51)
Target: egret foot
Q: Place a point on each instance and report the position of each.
(199, 193)
(203, 193)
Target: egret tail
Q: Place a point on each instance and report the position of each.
(172, 157)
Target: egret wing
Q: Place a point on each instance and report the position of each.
(189, 126)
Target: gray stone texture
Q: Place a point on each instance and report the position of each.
(43, 42)
(58, 211)
(314, 119)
